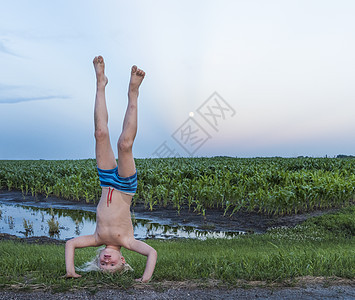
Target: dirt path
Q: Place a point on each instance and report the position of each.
(311, 291)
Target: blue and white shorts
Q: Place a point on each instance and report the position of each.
(110, 178)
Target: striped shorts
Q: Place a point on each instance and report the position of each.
(110, 178)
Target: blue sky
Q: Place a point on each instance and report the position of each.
(284, 69)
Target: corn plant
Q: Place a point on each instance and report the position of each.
(265, 185)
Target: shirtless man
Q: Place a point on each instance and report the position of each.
(118, 180)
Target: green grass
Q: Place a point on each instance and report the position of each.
(310, 249)
(341, 223)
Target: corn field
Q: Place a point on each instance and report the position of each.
(266, 185)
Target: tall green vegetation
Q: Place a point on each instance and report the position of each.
(267, 185)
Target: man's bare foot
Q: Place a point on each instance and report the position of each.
(137, 76)
(99, 66)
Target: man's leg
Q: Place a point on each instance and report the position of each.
(105, 158)
(126, 165)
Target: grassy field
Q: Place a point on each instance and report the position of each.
(321, 246)
(266, 185)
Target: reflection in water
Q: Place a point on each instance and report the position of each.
(77, 227)
(10, 221)
(28, 226)
(64, 224)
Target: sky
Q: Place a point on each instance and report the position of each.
(223, 78)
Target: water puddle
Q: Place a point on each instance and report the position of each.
(62, 221)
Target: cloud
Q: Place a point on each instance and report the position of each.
(25, 99)
(16, 94)
(6, 50)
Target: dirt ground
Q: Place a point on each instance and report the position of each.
(215, 219)
(304, 288)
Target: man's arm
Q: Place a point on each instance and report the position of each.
(78, 242)
(144, 249)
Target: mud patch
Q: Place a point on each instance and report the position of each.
(214, 219)
(31, 240)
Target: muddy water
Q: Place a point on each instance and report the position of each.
(29, 216)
